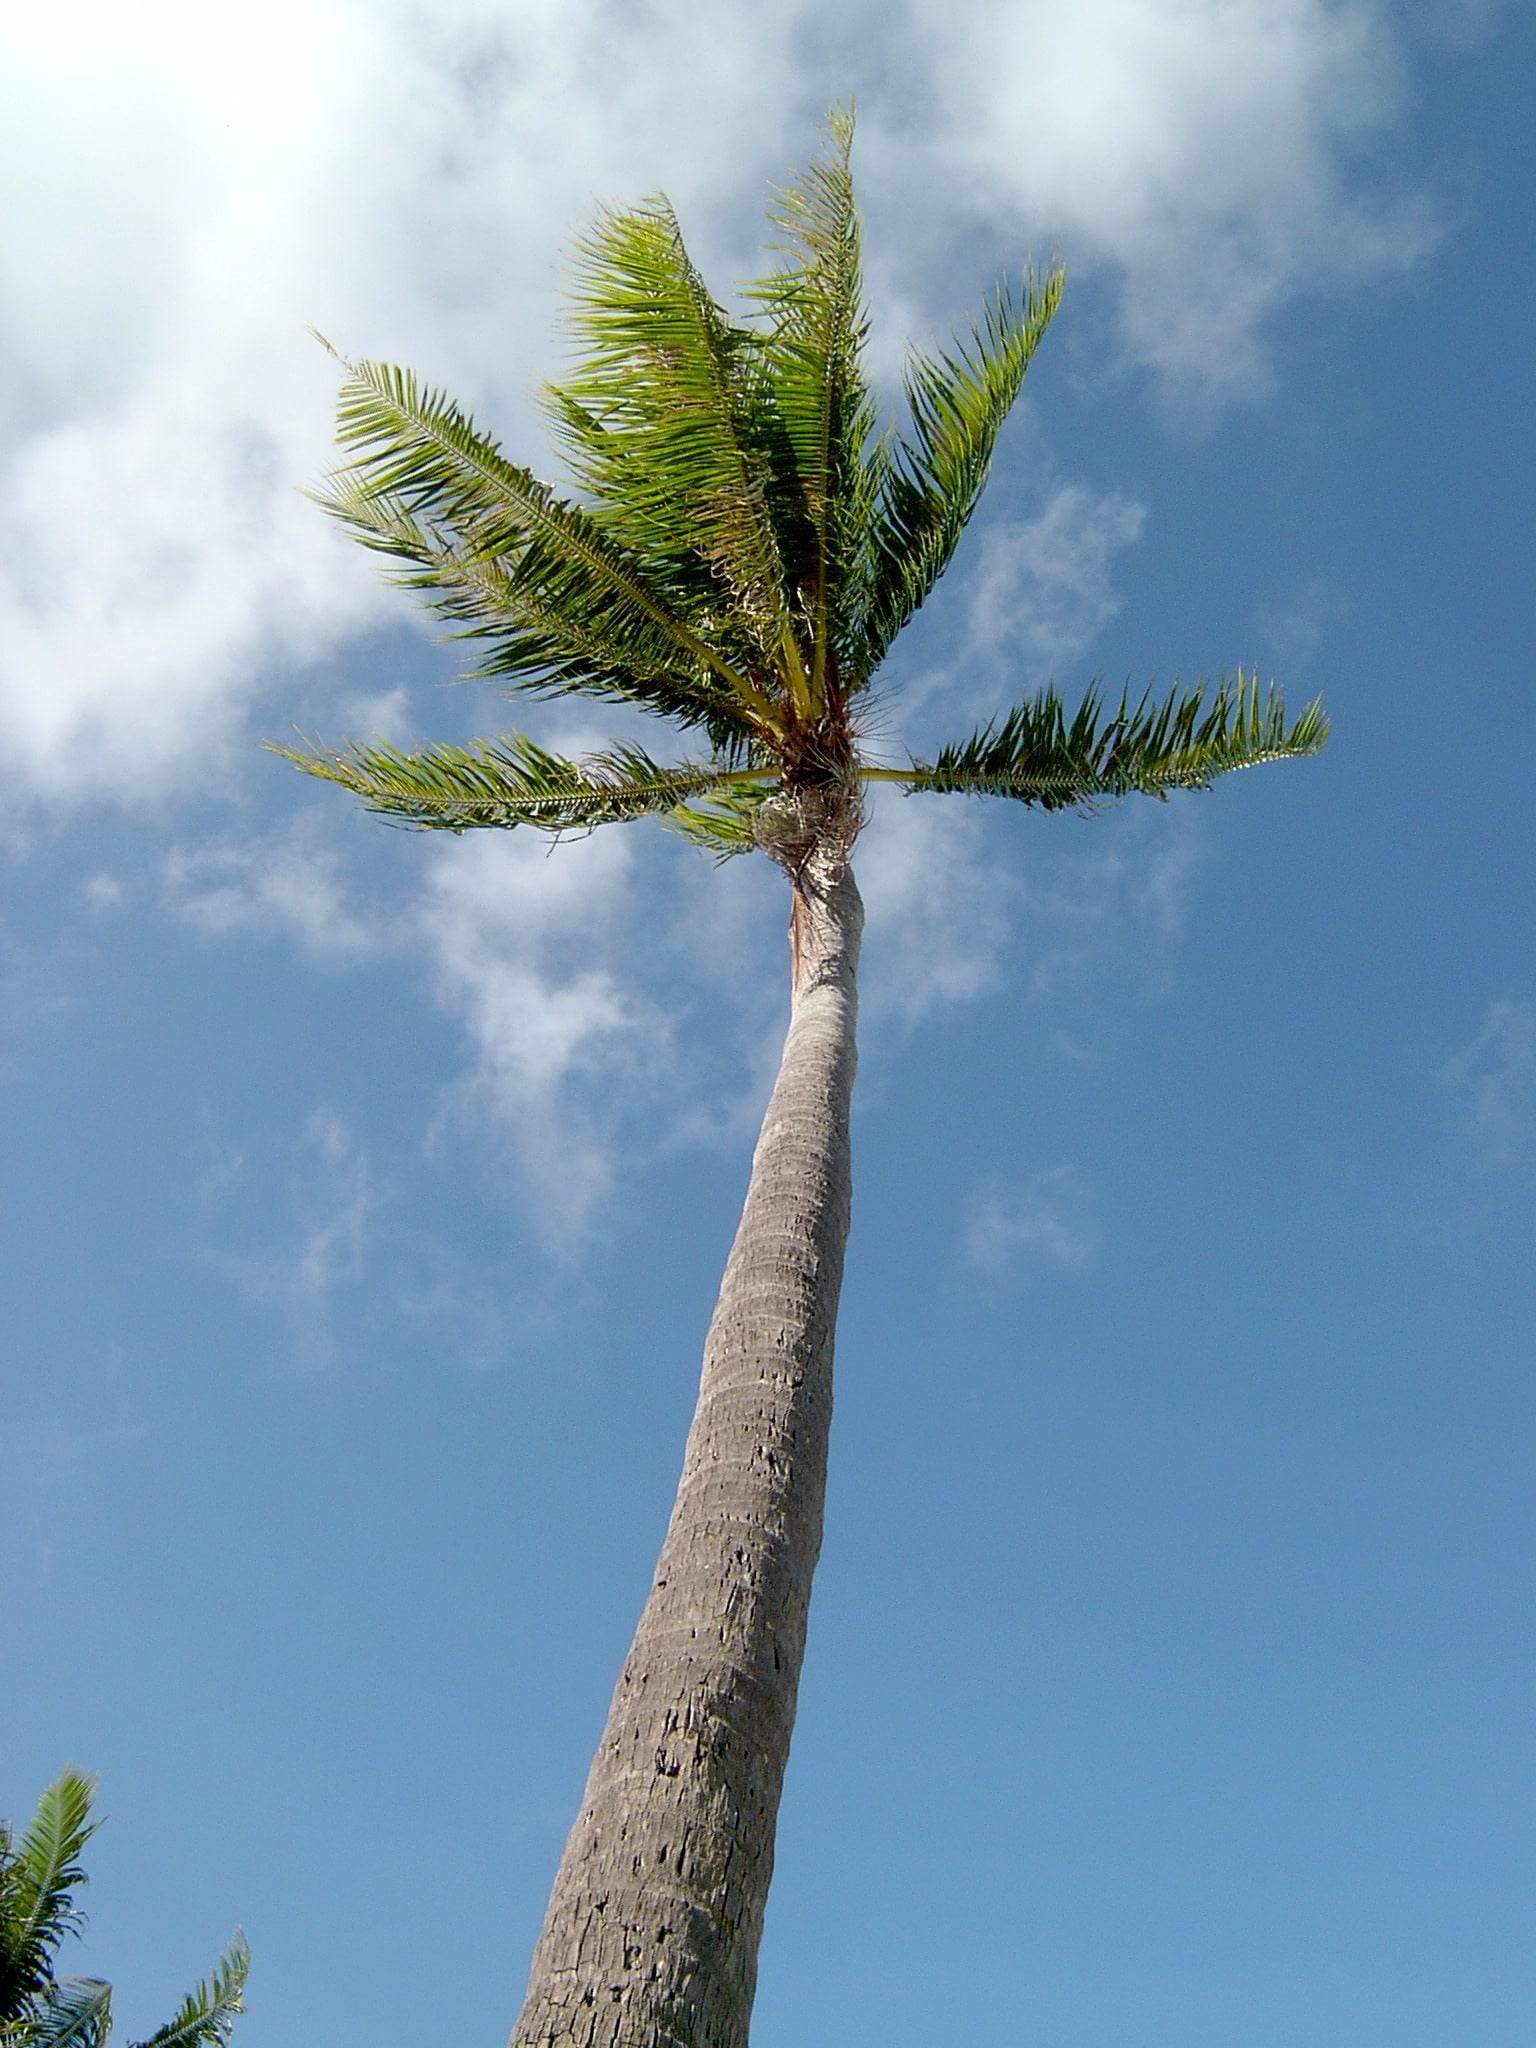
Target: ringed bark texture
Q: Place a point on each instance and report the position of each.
(653, 1927)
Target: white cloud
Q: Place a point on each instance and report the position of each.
(46, 1458)
(206, 183)
(570, 967)
(332, 1244)
(939, 906)
(951, 900)
(1046, 1218)
(1114, 898)
(332, 1200)
(1202, 149)
(518, 935)
(105, 892)
(532, 948)
(1494, 1078)
(1163, 878)
(1292, 632)
(1041, 587)
(37, 1461)
(201, 183)
(287, 883)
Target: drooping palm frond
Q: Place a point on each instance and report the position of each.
(1037, 756)
(74, 2013)
(563, 605)
(206, 2015)
(513, 781)
(664, 425)
(930, 477)
(822, 405)
(38, 1877)
(722, 823)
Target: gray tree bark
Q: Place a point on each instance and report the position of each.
(654, 1923)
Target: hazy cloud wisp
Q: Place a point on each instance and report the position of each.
(1494, 1080)
(1047, 1217)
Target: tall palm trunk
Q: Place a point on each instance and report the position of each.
(654, 1923)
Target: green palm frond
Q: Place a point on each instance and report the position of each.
(513, 781)
(544, 638)
(38, 1876)
(206, 2015)
(1036, 756)
(822, 405)
(722, 824)
(930, 478)
(75, 2013)
(663, 422)
(564, 605)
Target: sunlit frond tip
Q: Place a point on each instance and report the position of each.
(208, 2014)
(1037, 757)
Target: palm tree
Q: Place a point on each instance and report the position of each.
(742, 546)
(38, 1878)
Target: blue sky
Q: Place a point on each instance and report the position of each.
(1171, 1678)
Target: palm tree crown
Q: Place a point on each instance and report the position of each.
(744, 546)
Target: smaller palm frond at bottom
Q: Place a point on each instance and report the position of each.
(38, 1875)
(514, 781)
(206, 2015)
(76, 2012)
(1037, 756)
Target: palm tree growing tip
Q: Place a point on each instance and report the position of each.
(742, 543)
